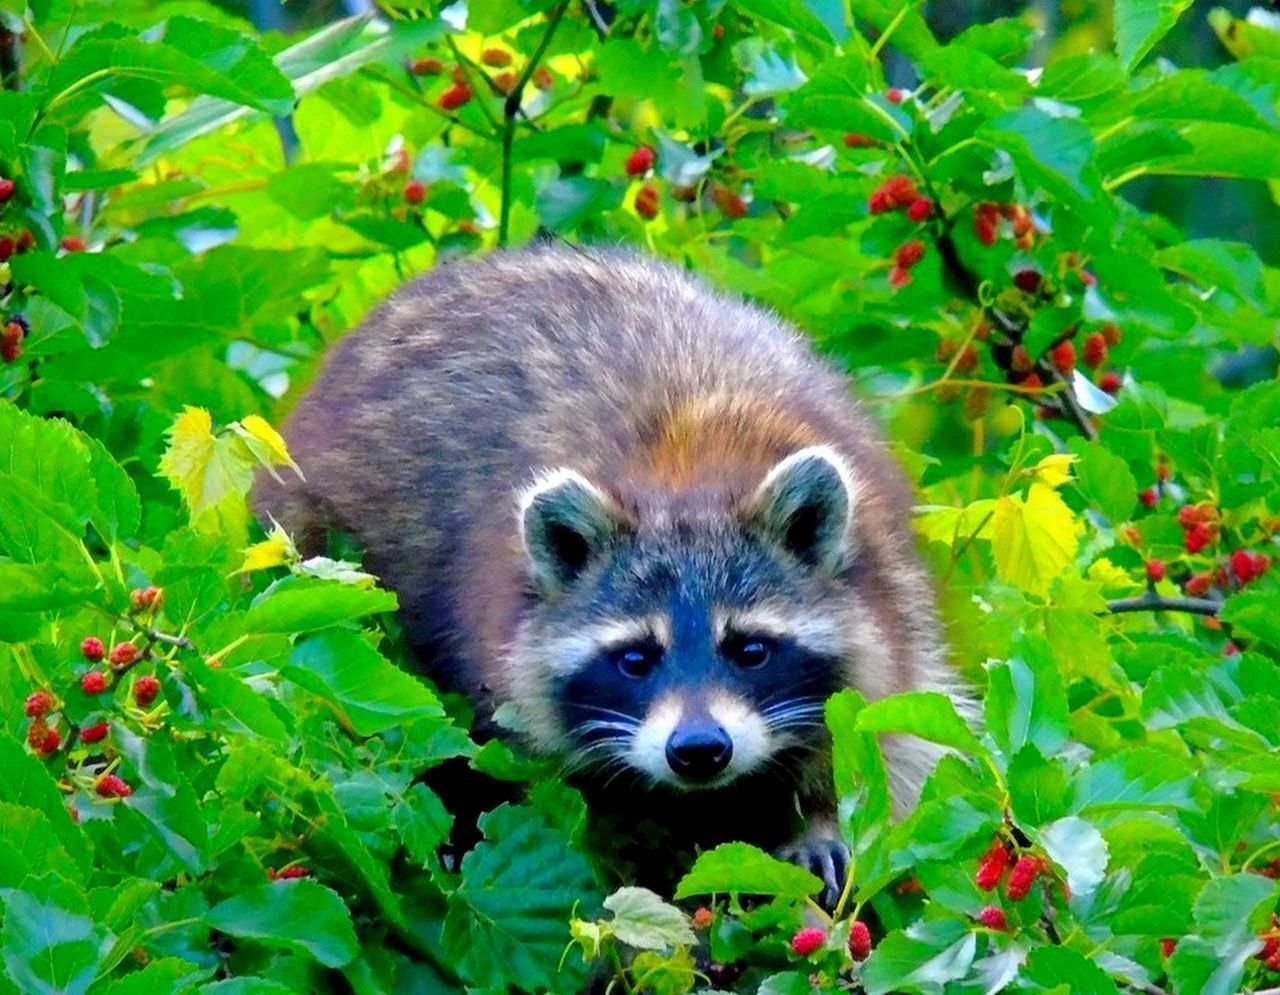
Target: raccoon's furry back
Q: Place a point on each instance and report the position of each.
(426, 422)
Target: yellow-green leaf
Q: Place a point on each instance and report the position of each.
(1054, 470)
(1034, 538)
(202, 467)
(274, 551)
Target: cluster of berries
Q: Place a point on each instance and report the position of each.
(12, 243)
(43, 708)
(460, 93)
(640, 163)
(1270, 952)
(811, 939)
(900, 193)
(991, 871)
(986, 223)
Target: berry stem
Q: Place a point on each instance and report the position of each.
(1150, 601)
(511, 109)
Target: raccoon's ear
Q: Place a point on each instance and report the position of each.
(805, 505)
(566, 522)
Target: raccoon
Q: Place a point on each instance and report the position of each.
(642, 514)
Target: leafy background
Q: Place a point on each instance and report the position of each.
(243, 803)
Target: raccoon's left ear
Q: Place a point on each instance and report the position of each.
(805, 505)
(566, 522)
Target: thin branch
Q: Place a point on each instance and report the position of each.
(511, 110)
(1152, 602)
(10, 68)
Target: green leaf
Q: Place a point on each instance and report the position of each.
(1052, 153)
(27, 783)
(794, 14)
(1026, 701)
(743, 869)
(1253, 612)
(364, 686)
(48, 942)
(642, 919)
(1104, 480)
(1038, 788)
(1140, 24)
(1078, 848)
(836, 97)
(296, 915)
(509, 919)
(927, 714)
(27, 842)
(1196, 969)
(1232, 910)
(1034, 538)
(305, 604)
(859, 774)
(1135, 778)
(921, 958)
(1049, 967)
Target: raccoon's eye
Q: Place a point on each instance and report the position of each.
(638, 660)
(748, 652)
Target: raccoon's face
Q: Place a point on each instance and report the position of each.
(692, 642)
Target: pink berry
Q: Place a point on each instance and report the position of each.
(94, 682)
(92, 649)
(920, 209)
(992, 916)
(1155, 571)
(807, 940)
(95, 733)
(145, 690)
(38, 703)
(111, 786)
(859, 940)
(640, 161)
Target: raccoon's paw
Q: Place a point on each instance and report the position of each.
(821, 851)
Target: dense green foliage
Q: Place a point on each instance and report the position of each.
(1085, 397)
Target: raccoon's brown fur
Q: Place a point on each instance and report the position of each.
(427, 424)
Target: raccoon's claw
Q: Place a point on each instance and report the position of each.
(826, 857)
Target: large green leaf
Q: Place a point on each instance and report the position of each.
(296, 915)
(740, 868)
(1140, 24)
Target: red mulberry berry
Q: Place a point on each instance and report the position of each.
(43, 740)
(111, 786)
(1064, 356)
(991, 866)
(73, 243)
(454, 97)
(1032, 381)
(992, 916)
(879, 202)
(647, 202)
(7, 189)
(1197, 538)
(807, 940)
(986, 222)
(909, 253)
(504, 82)
(1112, 334)
(124, 654)
(7, 248)
(899, 277)
(95, 733)
(94, 682)
(703, 917)
(92, 649)
(894, 95)
(293, 873)
(1095, 350)
(1021, 878)
(544, 78)
(427, 66)
(856, 141)
(499, 58)
(920, 209)
(1110, 382)
(1199, 584)
(859, 940)
(640, 161)
(415, 192)
(145, 690)
(1167, 946)
(1155, 571)
(902, 190)
(38, 703)
(1027, 280)
(1149, 497)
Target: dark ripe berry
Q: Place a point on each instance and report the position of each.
(415, 192)
(807, 940)
(94, 682)
(543, 78)
(703, 917)
(26, 239)
(499, 58)
(1149, 497)
(504, 82)
(992, 916)
(647, 202)
(856, 141)
(1197, 538)
(1270, 948)
(1064, 356)
(640, 161)
(92, 649)
(112, 786)
(7, 248)
(919, 209)
(1112, 334)
(1199, 584)
(95, 733)
(124, 654)
(991, 866)
(73, 243)
(894, 95)
(1155, 570)
(1095, 349)
(909, 253)
(38, 703)
(1027, 280)
(968, 361)
(879, 202)
(1020, 360)
(730, 204)
(454, 97)
(7, 189)
(859, 940)
(426, 66)
(1110, 382)
(1022, 877)
(145, 690)
(11, 342)
(1167, 946)
(899, 277)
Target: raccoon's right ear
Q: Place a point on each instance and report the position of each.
(805, 505)
(566, 522)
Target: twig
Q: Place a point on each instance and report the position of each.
(10, 68)
(1157, 603)
(511, 109)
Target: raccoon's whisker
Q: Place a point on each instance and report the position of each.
(807, 701)
(595, 725)
(610, 711)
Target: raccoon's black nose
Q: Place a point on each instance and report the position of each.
(699, 750)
